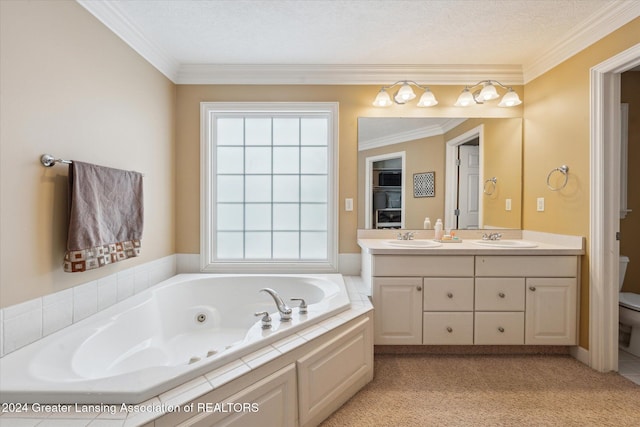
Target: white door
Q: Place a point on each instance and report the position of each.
(469, 186)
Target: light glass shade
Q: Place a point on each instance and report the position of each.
(427, 99)
(382, 99)
(488, 92)
(510, 99)
(465, 99)
(404, 94)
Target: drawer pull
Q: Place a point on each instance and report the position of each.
(532, 288)
(419, 288)
(449, 294)
(449, 329)
(501, 329)
(501, 294)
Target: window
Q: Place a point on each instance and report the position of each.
(268, 187)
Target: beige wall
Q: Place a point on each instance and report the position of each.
(630, 226)
(355, 101)
(556, 132)
(73, 89)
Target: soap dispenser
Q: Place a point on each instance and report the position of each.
(427, 223)
(438, 229)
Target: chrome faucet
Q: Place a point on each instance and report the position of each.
(491, 236)
(409, 235)
(284, 309)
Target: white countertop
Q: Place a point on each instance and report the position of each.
(544, 246)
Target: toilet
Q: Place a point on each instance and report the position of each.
(629, 314)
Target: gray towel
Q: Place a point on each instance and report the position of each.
(105, 216)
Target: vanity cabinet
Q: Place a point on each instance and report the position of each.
(481, 299)
(398, 310)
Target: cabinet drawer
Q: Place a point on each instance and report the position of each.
(527, 266)
(448, 294)
(500, 294)
(447, 328)
(499, 328)
(428, 265)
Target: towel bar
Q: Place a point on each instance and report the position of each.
(48, 160)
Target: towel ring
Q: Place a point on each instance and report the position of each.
(564, 170)
(492, 186)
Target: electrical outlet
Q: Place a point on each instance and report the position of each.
(348, 205)
(507, 204)
(540, 204)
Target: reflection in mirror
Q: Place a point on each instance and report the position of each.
(465, 171)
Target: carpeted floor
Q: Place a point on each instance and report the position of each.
(497, 390)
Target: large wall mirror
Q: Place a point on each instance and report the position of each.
(466, 171)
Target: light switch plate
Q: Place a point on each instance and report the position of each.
(507, 204)
(348, 205)
(540, 204)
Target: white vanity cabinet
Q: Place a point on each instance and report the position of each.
(550, 285)
(398, 310)
(475, 299)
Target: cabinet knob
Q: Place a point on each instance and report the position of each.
(501, 294)
(419, 288)
(532, 288)
(501, 329)
(449, 294)
(449, 329)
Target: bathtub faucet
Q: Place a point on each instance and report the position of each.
(285, 311)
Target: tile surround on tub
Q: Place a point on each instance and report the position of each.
(24, 323)
(199, 386)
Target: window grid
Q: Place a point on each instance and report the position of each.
(299, 231)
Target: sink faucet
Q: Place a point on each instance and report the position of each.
(409, 235)
(491, 236)
(285, 311)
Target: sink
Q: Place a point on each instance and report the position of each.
(506, 243)
(418, 244)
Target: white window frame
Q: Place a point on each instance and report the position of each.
(208, 261)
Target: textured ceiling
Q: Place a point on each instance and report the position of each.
(356, 31)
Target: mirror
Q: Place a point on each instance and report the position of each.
(466, 171)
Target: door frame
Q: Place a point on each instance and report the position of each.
(604, 249)
(368, 190)
(451, 174)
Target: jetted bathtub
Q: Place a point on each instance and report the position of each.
(171, 333)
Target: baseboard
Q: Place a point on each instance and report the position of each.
(580, 353)
(349, 264)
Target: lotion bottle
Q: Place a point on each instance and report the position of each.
(427, 223)
(438, 229)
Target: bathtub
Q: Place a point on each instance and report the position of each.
(171, 333)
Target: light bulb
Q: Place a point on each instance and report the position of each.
(510, 99)
(427, 99)
(465, 99)
(382, 99)
(404, 94)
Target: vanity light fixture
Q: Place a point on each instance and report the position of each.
(484, 91)
(487, 93)
(404, 95)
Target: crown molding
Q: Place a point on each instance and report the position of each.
(411, 135)
(337, 74)
(605, 21)
(113, 18)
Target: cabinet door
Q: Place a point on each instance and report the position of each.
(397, 303)
(271, 401)
(551, 311)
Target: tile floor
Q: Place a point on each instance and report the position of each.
(629, 366)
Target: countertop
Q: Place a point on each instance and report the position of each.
(573, 245)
